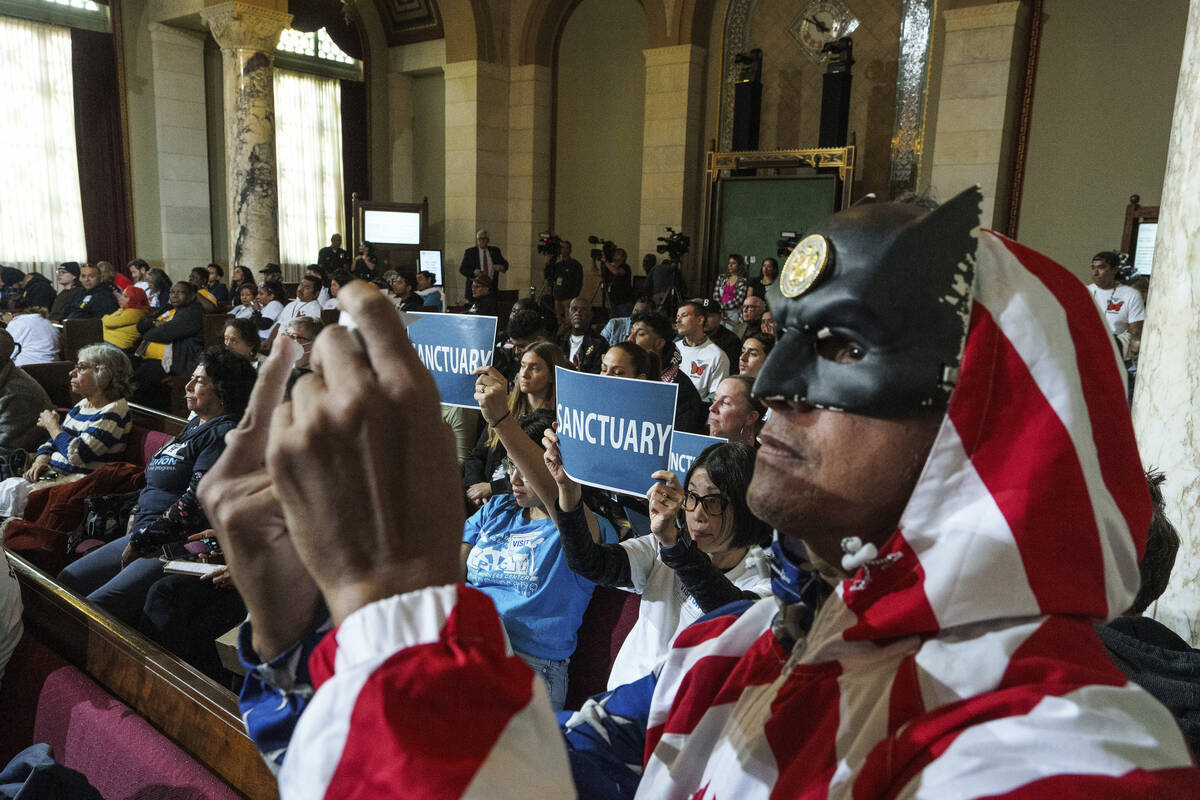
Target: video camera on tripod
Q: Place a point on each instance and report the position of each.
(549, 244)
(674, 245)
(604, 251)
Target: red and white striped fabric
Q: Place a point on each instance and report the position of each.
(962, 662)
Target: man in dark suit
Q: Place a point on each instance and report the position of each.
(482, 259)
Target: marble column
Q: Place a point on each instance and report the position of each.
(672, 139)
(248, 35)
(1166, 405)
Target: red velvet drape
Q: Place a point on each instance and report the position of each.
(99, 148)
(355, 176)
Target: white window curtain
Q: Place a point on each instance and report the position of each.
(41, 214)
(308, 159)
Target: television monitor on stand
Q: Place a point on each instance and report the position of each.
(397, 231)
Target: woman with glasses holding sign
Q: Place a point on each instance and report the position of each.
(704, 551)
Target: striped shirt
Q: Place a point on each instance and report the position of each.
(90, 437)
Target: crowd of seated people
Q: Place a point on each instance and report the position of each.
(720, 544)
(716, 542)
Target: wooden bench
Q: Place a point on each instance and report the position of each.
(186, 739)
(78, 334)
(55, 378)
(214, 329)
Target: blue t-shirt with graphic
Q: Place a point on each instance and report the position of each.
(519, 563)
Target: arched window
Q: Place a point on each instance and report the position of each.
(308, 142)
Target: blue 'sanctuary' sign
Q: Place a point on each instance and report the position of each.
(684, 450)
(614, 432)
(452, 346)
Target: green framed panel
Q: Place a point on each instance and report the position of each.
(752, 211)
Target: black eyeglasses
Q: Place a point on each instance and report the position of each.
(83, 365)
(714, 504)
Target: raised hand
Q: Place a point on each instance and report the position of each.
(665, 498)
(241, 504)
(569, 492)
(371, 505)
(491, 392)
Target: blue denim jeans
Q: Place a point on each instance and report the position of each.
(554, 673)
(121, 592)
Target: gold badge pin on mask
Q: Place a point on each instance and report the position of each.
(804, 265)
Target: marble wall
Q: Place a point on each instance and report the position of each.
(1166, 404)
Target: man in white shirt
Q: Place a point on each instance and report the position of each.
(139, 271)
(705, 364)
(305, 304)
(1120, 305)
(37, 336)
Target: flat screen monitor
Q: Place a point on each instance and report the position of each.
(392, 227)
(1143, 255)
(431, 261)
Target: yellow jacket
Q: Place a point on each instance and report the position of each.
(120, 327)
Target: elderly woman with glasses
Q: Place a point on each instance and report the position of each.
(303, 331)
(95, 430)
(704, 551)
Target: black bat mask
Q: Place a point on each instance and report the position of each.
(881, 330)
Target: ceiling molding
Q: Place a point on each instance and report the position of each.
(409, 21)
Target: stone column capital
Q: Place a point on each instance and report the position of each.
(237, 25)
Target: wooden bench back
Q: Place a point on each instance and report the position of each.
(199, 715)
(154, 420)
(78, 334)
(214, 329)
(55, 378)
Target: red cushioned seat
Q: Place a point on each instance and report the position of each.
(44, 699)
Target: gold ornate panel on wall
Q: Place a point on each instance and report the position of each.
(791, 101)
